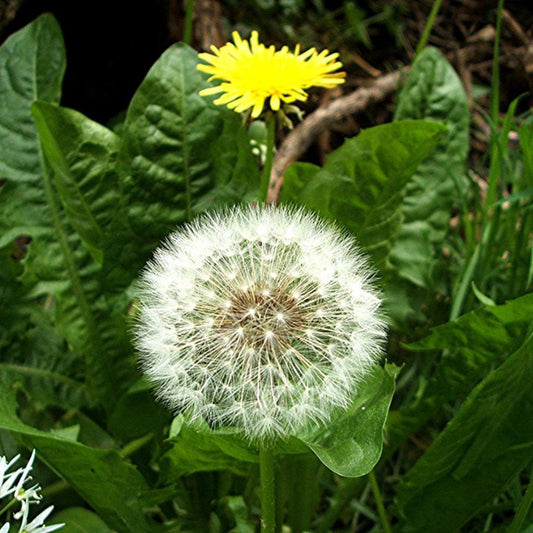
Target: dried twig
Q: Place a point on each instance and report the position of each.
(297, 142)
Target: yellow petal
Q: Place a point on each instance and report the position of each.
(251, 73)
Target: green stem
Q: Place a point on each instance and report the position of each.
(464, 284)
(523, 508)
(55, 488)
(494, 113)
(268, 490)
(270, 120)
(135, 445)
(9, 504)
(429, 26)
(187, 29)
(297, 478)
(379, 503)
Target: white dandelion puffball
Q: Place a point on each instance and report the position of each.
(260, 318)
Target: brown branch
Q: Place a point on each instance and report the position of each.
(297, 142)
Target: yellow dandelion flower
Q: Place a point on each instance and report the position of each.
(251, 73)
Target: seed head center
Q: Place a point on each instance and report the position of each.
(263, 316)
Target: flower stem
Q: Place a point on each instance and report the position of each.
(8, 506)
(270, 120)
(379, 503)
(268, 490)
(137, 444)
(495, 167)
(429, 26)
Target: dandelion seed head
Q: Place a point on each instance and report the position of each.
(285, 322)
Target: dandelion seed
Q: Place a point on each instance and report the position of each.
(251, 73)
(283, 352)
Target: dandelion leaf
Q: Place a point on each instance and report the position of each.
(362, 183)
(432, 91)
(351, 444)
(101, 477)
(485, 445)
(182, 154)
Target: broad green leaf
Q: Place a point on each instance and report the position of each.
(83, 155)
(102, 478)
(150, 417)
(32, 63)
(352, 443)
(40, 364)
(203, 451)
(240, 514)
(471, 344)
(56, 263)
(478, 333)
(94, 324)
(182, 154)
(12, 293)
(79, 520)
(486, 444)
(362, 183)
(33, 354)
(432, 91)
(31, 67)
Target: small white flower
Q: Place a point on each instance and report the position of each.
(261, 318)
(12, 484)
(8, 480)
(37, 524)
(29, 495)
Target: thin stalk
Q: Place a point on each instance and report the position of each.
(268, 490)
(523, 508)
(379, 503)
(468, 226)
(530, 272)
(10, 503)
(494, 113)
(464, 284)
(476, 265)
(187, 28)
(300, 489)
(429, 26)
(54, 488)
(361, 508)
(135, 445)
(488, 523)
(521, 243)
(270, 120)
